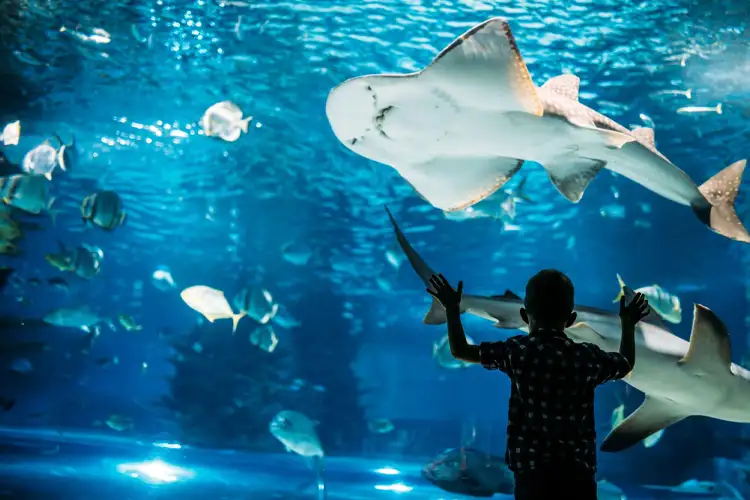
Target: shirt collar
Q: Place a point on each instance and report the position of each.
(549, 332)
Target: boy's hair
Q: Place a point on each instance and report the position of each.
(549, 296)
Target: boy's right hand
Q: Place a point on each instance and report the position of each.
(444, 292)
(632, 313)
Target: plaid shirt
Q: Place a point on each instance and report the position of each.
(551, 409)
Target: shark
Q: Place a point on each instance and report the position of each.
(678, 378)
(458, 130)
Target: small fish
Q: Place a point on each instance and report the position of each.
(107, 361)
(468, 213)
(257, 303)
(59, 283)
(297, 433)
(119, 423)
(99, 36)
(394, 257)
(265, 338)
(441, 353)
(10, 230)
(8, 248)
(380, 426)
(284, 318)
(22, 366)
(162, 279)
(11, 133)
(129, 323)
(67, 154)
(653, 439)
(662, 302)
(689, 487)
(700, 109)
(296, 253)
(470, 472)
(103, 209)
(613, 210)
(72, 318)
(60, 262)
(87, 261)
(28, 58)
(608, 491)
(647, 120)
(238, 29)
(686, 93)
(211, 303)
(224, 120)
(29, 193)
(42, 160)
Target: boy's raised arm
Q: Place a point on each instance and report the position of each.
(450, 299)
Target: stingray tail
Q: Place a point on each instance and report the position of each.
(436, 315)
(721, 192)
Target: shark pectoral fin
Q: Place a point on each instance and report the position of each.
(452, 184)
(507, 295)
(582, 332)
(710, 348)
(572, 175)
(652, 317)
(652, 416)
(645, 135)
(484, 69)
(564, 85)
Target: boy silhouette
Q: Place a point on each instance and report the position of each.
(551, 446)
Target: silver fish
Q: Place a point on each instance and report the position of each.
(103, 209)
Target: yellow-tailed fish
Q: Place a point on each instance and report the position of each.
(662, 302)
(211, 303)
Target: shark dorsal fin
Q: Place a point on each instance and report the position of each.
(645, 135)
(564, 85)
(653, 317)
(507, 295)
(709, 341)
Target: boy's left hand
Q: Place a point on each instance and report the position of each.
(444, 293)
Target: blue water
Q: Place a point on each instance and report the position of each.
(220, 214)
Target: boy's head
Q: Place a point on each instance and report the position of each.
(549, 300)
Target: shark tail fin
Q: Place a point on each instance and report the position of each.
(721, 192)
(622, 289)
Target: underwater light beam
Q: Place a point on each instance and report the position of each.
(154, 472)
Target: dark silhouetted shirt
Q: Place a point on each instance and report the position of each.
(551, 409)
